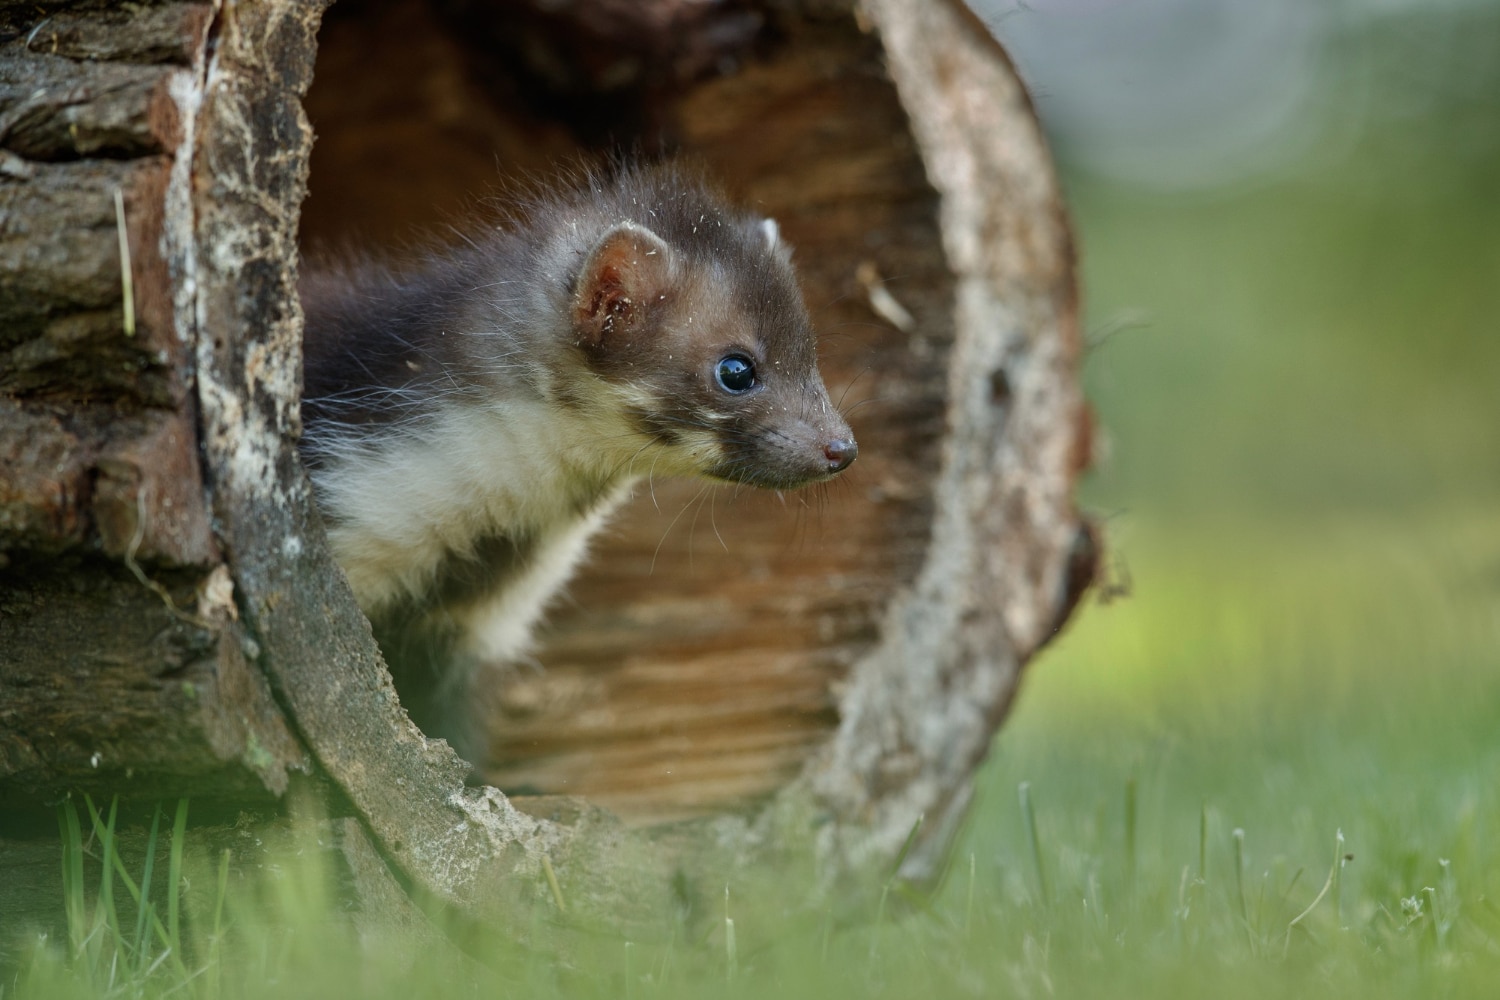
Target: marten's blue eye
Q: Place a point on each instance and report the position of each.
(736, 373)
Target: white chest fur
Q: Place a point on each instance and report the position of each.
(405, 501)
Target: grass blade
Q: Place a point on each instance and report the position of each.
(143, 909)
(1130, 831)
(127, 281)
(969, 903)
(906, 846)
(74, 904)
(1328, 884)
(1203, 843)
(1238, 836)
(174, 875)
(1028, 817)
(731, 949)
(557, 896)
(105, 919)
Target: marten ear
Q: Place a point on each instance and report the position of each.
(625, 275)
(770, 232)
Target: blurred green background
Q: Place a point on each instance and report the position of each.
(1290, 223)
(1294, 352)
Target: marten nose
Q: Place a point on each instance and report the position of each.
(840, 452)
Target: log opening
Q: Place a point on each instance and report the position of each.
(694, 665)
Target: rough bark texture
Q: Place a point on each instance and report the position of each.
(170, 619)
(123, 663)
(922, 706)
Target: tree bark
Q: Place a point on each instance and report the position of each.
(171, 622)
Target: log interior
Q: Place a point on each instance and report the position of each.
(695, 664)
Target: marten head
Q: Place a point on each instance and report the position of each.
(688, 315)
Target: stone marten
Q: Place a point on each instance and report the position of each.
(472, 417)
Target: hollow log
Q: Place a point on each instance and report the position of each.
(745, 667)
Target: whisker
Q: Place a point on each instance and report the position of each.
(863, 402)
(693, 527)
(713, 522)
(852, 382)
(663, 539)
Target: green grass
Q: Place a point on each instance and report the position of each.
(111, 949)
(1272, 770)
(1296, 686)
